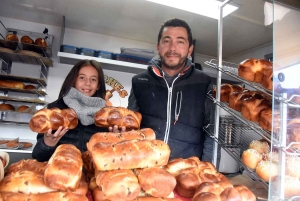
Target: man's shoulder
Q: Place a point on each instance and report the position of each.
(203, 75)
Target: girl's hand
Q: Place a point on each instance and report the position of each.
(52, 139)
(115, 129)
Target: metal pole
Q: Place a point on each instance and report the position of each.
(219, 75)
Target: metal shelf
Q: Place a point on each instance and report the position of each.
(252, 125)
(233, 72)
(22, 58)
(37, 101)
(234, 138)
(19, 150)
(33, 91)
(39, 81)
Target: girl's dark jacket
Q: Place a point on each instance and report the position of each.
(78, 136)
(176, 111)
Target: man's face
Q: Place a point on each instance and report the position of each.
(173, 47)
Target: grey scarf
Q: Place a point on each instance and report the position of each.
(84, 106)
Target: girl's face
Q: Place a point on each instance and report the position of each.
(87, 80)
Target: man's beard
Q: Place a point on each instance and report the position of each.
(173, 66)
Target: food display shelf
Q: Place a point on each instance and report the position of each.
(37, 101)
(27, 59)
(18, 149)
(33, 91)
(39, 81)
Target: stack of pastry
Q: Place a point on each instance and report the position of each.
(257, 70)
(58, 179)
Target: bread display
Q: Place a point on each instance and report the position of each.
(227, 89)
(110, 116)
(53, 118)
(109, 137)
(251, 108)
(12, 84)
(27, 40)
(22, 108)
(118, 184)
(156, 182)
(41, 42)
(64, 169)
(12, 37)
(252, 69)
(130, 154)
(7, 107)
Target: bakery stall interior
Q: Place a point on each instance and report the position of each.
(122, 36)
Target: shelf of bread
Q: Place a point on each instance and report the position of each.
(27, 91)
(39, 81)
(252, 125)
(17, 145)
(25, 100)
(234, 137)
(24, 56)
(108, 64)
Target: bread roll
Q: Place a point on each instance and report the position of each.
(64, 168)
(252, 69)
(246, 194)
(175, 166)
(30, 87)
(8, 107)
(251, 158)
(110, 116)
(156, 182)
(22, 108)
(53, 118)
(12, 84)
(261, 146)
(130, 154)
(30, 165)
(226, 90)
(41, 42)
(110, 137)
(118, 184)
(252, 107)
(27, 40)
(267, 170)
(12, 37)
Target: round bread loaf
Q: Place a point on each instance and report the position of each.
(251, 158)
(27, 40)
(22, 108)
(12, 37)
(30, 87)
(9, 107)
(261, 146)
(41, 42)
(267, 170)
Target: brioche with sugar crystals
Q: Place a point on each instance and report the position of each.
(120, 116)
(261, 146)
(251, 158)
(53, 118)
(130, 154)
(252, 69)
(267, 170)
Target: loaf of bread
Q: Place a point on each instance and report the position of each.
(29, 87)
(12, 37)
(24, 182)
(110, 137)
(227, 89)
(64, 169)
(27, 40)
(30, 165)
(8, 107)
(251, 108)
(12, 84)
(53, 118)
(130, 154)
(88, 164)
(252, 69)
(156, 182)
(177, 165)
(41, 42)
(22, 108)
(236, 99)
(265, 119)
(61, 196)
(110, 116)
(267, 79)
(118, 184)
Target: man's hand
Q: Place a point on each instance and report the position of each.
(115, 129)
(52, 139)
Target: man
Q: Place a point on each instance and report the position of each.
(171, 93)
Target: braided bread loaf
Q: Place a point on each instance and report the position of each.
(110, 116)
(53, 118)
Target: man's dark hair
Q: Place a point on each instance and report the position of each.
(176, 23)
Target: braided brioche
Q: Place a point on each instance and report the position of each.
(53, 118)
(110, 116)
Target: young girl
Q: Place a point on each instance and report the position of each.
(84, 91)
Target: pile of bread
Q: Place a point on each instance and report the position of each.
(257, 70)
(253, 105)
(27, 40)
(60, 178)
(265, 163)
